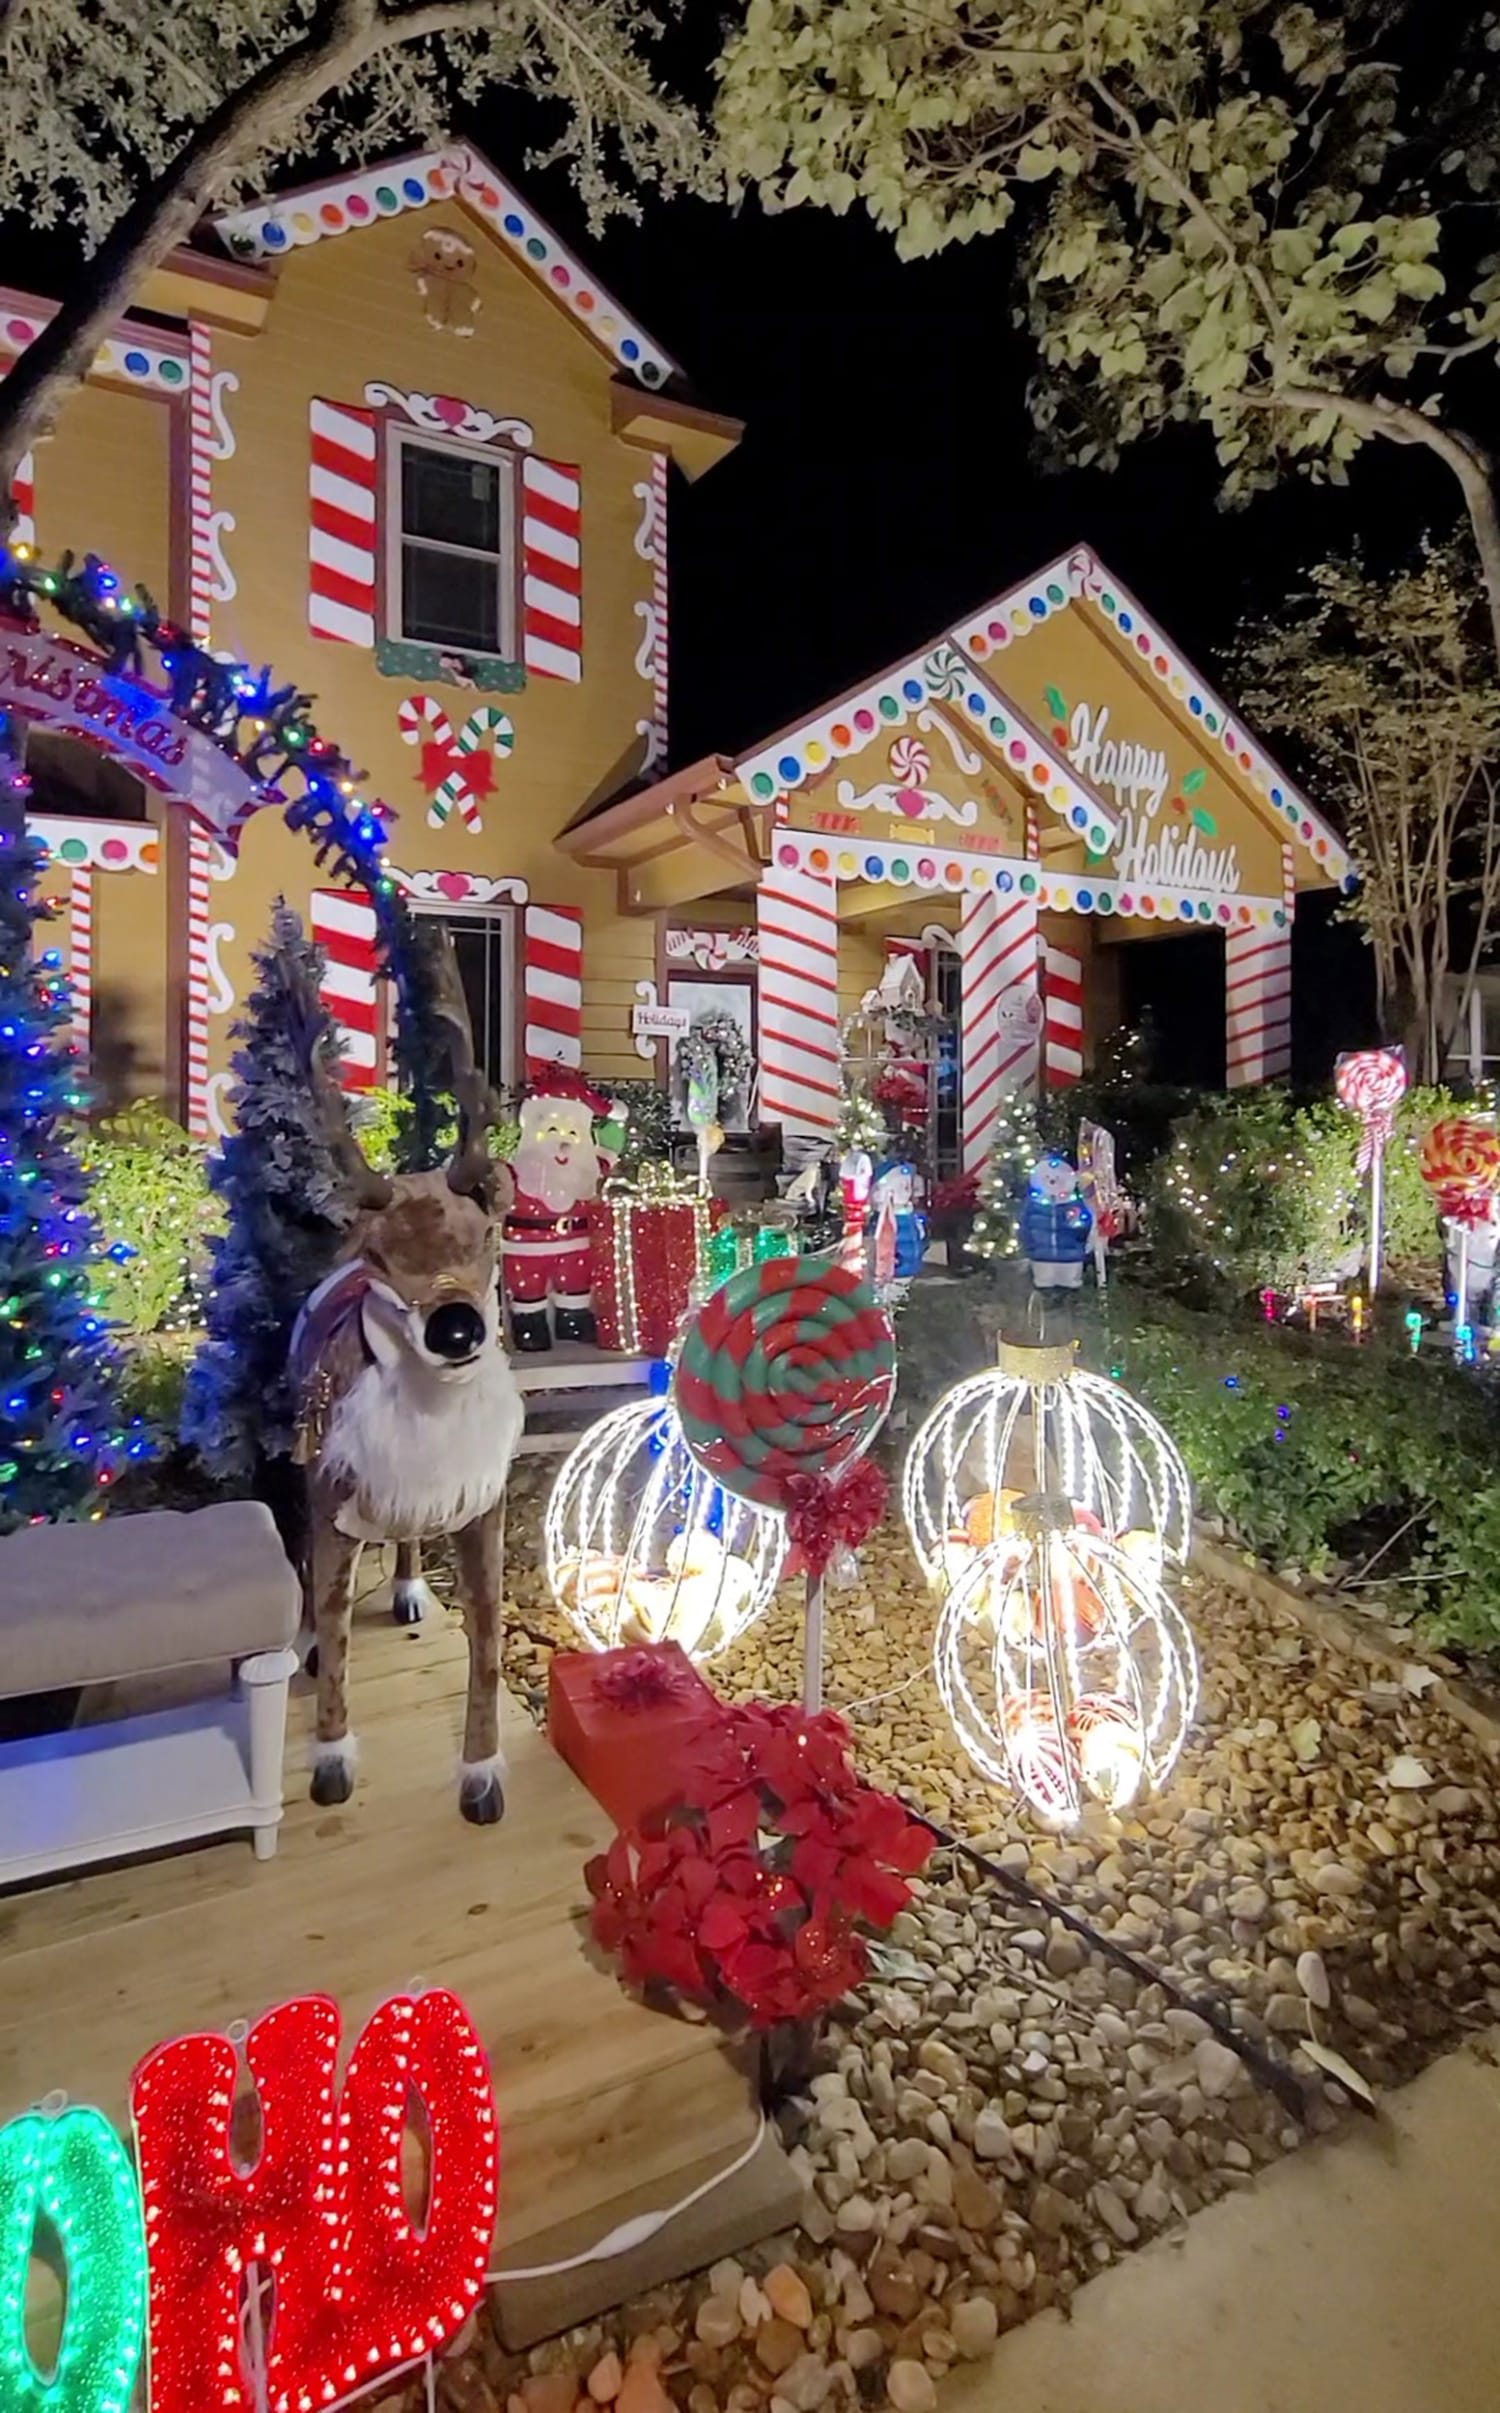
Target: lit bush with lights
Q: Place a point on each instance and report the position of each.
(643, 1546)
(1067, 1670)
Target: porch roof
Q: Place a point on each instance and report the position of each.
(690, 835)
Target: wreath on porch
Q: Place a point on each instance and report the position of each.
(713, 1064)
(268, 732)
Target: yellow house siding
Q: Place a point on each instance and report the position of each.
(103, 485)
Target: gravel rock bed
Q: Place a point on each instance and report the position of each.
(1001, 2112)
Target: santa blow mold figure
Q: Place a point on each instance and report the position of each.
(545, 1251)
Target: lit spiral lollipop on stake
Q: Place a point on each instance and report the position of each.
(1372, 1084)
(784, 1379)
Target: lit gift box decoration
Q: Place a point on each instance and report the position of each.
(648, 1247)
(644, 1546)
(1068, 1672)
(746, 1241)
(1032, 1423)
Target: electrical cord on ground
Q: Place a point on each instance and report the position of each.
(1263, 2066)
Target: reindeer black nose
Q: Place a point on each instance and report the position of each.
(454, 1331)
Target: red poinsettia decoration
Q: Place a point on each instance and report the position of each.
(957, 1196)
(903, 1088)
(754, 1899)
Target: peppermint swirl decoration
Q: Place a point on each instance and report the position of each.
(788, 1370)
(1461, 1164)
(1372, 1084)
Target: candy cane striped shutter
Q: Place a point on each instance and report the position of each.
(341, 524)
(551, 568)
(799, 1001)
(23, 495)
(1257, 1006)
(552, 987)
(1062, 1003)
(343, 923)
(999, 1017)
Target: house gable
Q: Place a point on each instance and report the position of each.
(1196, 793)
(269, 230)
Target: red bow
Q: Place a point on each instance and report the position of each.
(643, 1680)
(829, 1513)
(443, 759)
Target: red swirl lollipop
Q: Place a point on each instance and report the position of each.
(788, 1370)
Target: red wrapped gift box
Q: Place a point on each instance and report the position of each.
(643, 1261)
(627, 1722)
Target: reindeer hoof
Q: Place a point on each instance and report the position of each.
(406, 1612)
(484, 1805)
(333, 1782)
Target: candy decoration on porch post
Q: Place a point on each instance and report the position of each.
(362, 2289)
(1372, 1084)
(1258, 1004)
(1067, 1670)
(799, 1002)
(68, 2168)
(787, 1373)
(1000, 1015)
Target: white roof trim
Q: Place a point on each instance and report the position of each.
(341, 205)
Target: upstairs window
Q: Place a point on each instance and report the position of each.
(452, 568)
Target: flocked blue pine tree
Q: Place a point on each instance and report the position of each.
(61, 1439)
(286, 1212)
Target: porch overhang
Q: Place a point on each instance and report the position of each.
(688, 836)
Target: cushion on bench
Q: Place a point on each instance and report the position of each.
(141, 1595)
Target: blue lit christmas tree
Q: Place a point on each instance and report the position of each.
(61, 1440)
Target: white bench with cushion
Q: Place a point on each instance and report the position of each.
(127, 1600)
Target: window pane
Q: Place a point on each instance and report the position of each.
(450, 599)
(451, 500)
(480, 948)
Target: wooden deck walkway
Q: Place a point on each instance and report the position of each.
(606, 2109)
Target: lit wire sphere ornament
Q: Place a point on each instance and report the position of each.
(1033, 1422)
(643, 1545)
(1068, 1672)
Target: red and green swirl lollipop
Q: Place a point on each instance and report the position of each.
(788, 1370)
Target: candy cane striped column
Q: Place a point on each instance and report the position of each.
(196, 1033)
(660, 655)
(201, 451)
(1258, 1006)
(551, 568)
(1062, 1016)
(552, 987)
(343, 923)
(81, 956)
(341, 523)
(23, 496)
(999, 1012)
(798, 988)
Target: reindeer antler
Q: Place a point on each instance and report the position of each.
(472, 1169)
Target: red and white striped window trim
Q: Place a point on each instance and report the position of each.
(345, 535)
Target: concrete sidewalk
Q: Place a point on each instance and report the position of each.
(1363, 2271)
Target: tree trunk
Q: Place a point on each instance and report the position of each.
(246, 122)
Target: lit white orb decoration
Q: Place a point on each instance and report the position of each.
(1034, 1423)
(1067, 1670)
(643, 1546)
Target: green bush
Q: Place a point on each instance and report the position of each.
(1256, 1192)
(382, 1114)
(1317, 1453)
(151, 1193)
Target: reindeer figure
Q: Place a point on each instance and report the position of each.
(410, 1413)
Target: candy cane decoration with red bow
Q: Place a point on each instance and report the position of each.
(455, 770)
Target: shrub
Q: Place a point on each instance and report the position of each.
(151, 1193)
(1316, 1453)
(1256, 1192)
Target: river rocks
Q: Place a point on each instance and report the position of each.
(1001, 2111)
(910, 2388)
(975, 2325)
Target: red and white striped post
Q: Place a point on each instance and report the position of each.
(799, 1002)
(199, 877)
(81, 957)
(1257, 1006)
(999, 1012)
(1062, 1004)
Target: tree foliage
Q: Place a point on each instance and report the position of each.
(129, 127)
(1388, 688)
(1263, 217)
